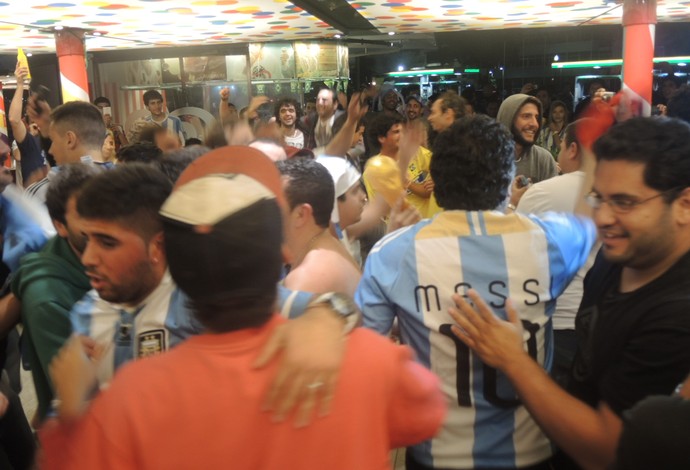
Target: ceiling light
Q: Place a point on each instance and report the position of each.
(556, 58)
(337, 36)
(391, 33)
(400, 68)
(29, 54)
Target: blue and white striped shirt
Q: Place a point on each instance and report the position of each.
(412, 273)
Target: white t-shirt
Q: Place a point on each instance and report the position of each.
(560, 194)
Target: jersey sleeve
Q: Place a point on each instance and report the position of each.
(570, 239)
(292, 303)
(373, 294)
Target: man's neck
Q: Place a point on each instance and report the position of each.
(305, 242)
(326, 119)
(519, 150)
(159, 273)
(389, 152)
(159, 118)
(94, 154)
(633, 279)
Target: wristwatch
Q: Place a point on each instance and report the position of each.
(343, 306)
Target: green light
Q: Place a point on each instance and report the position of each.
(586, 63)
(612, 62)
(419, 73)
(471, 71)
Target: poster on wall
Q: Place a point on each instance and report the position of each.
(316, 60)
(143, 72)
(272, 61)
(343, 61)
(205, 68)
(236, 67)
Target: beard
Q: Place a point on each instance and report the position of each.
(517, 135)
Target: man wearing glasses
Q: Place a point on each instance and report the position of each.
(633, 324)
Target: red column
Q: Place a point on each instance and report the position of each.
(3, 125)
(639, 23)
(69, 45)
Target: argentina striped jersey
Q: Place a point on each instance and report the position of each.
(412, 274)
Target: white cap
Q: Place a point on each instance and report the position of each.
(344, 175)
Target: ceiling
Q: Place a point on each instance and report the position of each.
(126, 24)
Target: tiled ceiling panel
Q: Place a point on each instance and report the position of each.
(148, 23)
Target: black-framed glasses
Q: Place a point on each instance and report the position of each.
(621, 205)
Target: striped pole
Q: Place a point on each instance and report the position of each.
(639, 23)
(74, 82)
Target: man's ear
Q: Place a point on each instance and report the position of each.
(157, 248)
(574, 151)
(682, 207)
(60, 228)
(72, 140)
(304, 214)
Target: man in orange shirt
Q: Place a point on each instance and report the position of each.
(199, 406)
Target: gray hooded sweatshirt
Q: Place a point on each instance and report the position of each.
(535, 162)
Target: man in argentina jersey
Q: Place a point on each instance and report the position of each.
(135, 309)
(411, 274)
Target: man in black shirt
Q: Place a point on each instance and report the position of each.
(633, 324)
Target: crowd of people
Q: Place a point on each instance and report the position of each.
(506, 291)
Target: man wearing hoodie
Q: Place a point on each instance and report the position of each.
(521, 114)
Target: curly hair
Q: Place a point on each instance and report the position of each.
(473, 164)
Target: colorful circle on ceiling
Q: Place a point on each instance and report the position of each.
(117, 7)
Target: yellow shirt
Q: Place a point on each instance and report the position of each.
(418, 172)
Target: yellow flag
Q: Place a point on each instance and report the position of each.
(23, 61)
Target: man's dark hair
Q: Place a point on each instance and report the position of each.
(570, 136)
(334, 95)
(143, 152)
(192, 141)
(379, 126)
(287, 102)
(173, 163)
(152, 95)
(229, 274)
(82, 118)
(661, 144)
(130, 195)
(310, 183)
(451, 100)
(102, 100)
(473, 164)
(68, 181)
(679, 104)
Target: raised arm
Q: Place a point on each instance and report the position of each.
(15, 115)
(342, 141)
